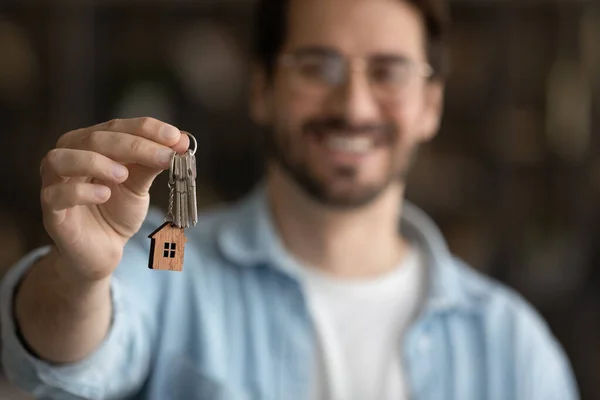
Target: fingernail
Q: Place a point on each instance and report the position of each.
(119, 171)
(101, 192)
(169, 132)
(164, 156)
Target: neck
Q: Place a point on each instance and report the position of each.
(354, 243)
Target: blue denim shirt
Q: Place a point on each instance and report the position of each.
(233, 326)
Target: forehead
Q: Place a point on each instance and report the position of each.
(357, 27)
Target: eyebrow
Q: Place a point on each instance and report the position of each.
(331, 52)
(387, 57)
(316, 50)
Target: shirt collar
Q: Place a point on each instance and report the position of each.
(248, 238)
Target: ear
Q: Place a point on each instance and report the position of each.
(259, 96)
(433, 109)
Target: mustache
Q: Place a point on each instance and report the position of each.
(321, 126)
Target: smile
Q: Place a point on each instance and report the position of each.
(349, 144)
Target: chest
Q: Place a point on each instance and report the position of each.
(243, 335)
(255, 337)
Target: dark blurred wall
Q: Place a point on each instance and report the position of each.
(513, 178)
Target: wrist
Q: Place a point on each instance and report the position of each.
(72, 274)
(54, 278)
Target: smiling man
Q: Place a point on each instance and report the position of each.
(322, 284)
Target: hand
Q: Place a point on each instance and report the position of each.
(95, 187)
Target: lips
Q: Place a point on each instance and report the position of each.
(339, 135)
(349, 144)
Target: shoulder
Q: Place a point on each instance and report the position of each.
(517, 335)
(510, 319)
(494, 300)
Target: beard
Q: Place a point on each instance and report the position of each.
(279, 147)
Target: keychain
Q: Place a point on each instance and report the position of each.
(168, 241)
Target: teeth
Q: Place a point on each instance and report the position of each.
(350, 145)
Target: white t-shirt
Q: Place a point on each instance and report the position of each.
(360, 325)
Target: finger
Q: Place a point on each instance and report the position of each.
(141, 177)
(183, 144)
(68, 195)
(126, 149)
(47, 176)
(68, 163)
(145, 127)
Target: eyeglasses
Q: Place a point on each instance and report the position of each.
(318, 71)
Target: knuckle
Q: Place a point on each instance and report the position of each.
(53, 156)
(66, 139)
(46, 196)
(135, 146)
(92, 140)
(62, 140)
(91, 159)
(113, 122)
(147, 124)
(78, 191)
(49, 161)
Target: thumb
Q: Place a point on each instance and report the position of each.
(141, 177)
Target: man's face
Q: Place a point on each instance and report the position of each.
(343, 129)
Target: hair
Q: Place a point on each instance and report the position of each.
(272, 20)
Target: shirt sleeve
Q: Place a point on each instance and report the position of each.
(118, 368)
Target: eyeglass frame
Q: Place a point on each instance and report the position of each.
(419, 69)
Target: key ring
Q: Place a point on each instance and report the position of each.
(193, 152)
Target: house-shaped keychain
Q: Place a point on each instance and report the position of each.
(166, 248)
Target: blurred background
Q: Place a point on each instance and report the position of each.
(513, 179)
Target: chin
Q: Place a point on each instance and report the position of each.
(344, 201)
(344, 195)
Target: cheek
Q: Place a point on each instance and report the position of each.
(291, 109)
(408, 117)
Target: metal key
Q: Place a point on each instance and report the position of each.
(191, 187)
(172, 213)
(183, 207)
(176, 205)
(181, 192)
(179, 188)
(183, 203)
(186, 191)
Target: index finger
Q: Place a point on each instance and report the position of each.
(146, 127)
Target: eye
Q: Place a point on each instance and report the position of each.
(389, 72)
(320, 69)
(312, 67)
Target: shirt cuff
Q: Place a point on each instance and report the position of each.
(86, 379)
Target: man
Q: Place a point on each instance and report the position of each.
(322, 284)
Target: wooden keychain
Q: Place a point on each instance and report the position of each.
(168, 241)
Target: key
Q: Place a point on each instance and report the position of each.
(191, 187)
(173, 179)
(183, 192)
(178, 188)
(183, 203)
(182, 178)
(176, 207)
(181, 214)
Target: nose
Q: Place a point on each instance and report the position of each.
(354, 99)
